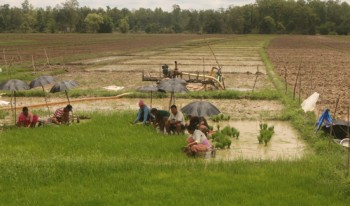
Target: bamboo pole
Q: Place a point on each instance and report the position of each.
(299, 95)
(334, 116)
(7, 71)
(33, 64)
(285, 79)
(47, 58)
(349, 140)
(203, 70)
(20, 57)
(296, 81)
(14, 92)
(48, 109)
(312, 80)
(214, 55)
(256, 78)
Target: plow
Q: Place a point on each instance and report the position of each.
(213, 80)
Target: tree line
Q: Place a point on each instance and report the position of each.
(261, 17)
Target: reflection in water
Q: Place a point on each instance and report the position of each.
(284, 144)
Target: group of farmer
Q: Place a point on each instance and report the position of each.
(30, 120)
(173, 122)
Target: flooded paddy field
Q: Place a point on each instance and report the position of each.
(242, 69)
(284, 144)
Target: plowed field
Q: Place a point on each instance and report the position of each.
(324, 68)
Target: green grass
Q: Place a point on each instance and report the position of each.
(108, 161)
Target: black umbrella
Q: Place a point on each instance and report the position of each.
(173, 85)
(14, 85)
(64, 86)
(200, 109)
(150, 89)
(339, 130)
(41, 82)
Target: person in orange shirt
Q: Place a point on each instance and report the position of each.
(27, 119)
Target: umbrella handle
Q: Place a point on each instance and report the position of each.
(48, 109)
(67, 96)
(14, 93)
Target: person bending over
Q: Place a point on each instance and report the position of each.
(143, 115)
(27, 119)
(160, 118)
(197, 141)
(61, 115)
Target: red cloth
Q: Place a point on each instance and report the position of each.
(27, 120)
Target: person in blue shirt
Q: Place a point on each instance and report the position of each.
(143, 114)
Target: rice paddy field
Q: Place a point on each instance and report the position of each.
(105, 160)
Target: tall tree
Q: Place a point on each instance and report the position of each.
(68, 15)
(93, 21)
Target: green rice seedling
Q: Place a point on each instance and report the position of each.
(221, 140)
(265, 133)
(230, 131)
(220, 117)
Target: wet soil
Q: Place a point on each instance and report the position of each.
(237, 109)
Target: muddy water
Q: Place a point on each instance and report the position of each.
(284, 144)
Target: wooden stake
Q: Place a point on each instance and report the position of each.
(33, 63)
(19, 56)
(311, 81)
(47, 58)
(296, 81)
(299, 95)
(335, 112)
(256, 78)
(349, 140)
(203, 70)
(7, 71)
(285, 78)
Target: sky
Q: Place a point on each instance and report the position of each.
(166, 5)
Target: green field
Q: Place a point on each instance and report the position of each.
(106, 161)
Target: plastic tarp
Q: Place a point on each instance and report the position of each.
(325, 118)
(309, 104)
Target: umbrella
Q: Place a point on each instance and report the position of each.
(64, 86)
(41, 82)
(339, 129)
(149, 89)
(173, 85)
(14, 85)
(200, 109)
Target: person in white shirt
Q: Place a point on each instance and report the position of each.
(176, 121)
(197, 141)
